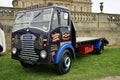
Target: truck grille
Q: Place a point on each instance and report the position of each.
(27, 47)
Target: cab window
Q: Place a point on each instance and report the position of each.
(55, 20)
(64, 17)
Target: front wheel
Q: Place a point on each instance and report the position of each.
(65, 63)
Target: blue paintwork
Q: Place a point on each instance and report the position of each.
(60, 51)
(97, 44)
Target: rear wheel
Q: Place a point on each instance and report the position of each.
(99, 51)
(65, 63)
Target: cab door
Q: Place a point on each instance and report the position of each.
(65, 27)
(55, 34)
(60, 30)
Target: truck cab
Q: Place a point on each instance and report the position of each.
(2, 40)
(45, 36)
(42, 35)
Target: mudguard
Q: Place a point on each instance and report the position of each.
(97, 44)
(60, 51)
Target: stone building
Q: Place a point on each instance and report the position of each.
(73, 5)
(8, 14)
(86, 22)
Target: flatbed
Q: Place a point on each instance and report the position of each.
(87, 39)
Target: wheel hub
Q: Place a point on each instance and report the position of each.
(67, 62)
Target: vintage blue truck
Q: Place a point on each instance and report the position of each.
(47, 35)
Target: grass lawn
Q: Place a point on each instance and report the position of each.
(86, 67)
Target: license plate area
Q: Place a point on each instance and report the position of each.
(27, 37)
(29, 62)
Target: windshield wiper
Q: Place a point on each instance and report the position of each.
(20, 17)
(38, 14)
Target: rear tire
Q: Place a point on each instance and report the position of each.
(65, 63)
(99, 51)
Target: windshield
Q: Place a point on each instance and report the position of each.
(36, 19)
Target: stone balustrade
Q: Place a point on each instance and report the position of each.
(86, 23)
(98, 25)
(95, 17)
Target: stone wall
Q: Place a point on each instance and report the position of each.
(73, 5)
(7, 17)
(98, 25)
(87, 24)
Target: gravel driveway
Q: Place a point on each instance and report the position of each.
(111, 78)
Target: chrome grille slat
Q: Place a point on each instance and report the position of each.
(26, 52)
(29, 58)
(29, 55)
(27, 43)
(27, 48)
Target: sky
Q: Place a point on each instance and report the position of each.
(110, 6)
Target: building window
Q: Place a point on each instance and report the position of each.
(31, 4)
(87, 9)
(81, 9)
(74, 8)
(23, 4)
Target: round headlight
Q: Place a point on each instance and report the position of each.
(43, 54)
(14, 50)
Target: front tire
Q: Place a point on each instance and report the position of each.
(65, 63)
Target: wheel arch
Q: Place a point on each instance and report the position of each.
(98, 43)
(99, 46)
(62, 49)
